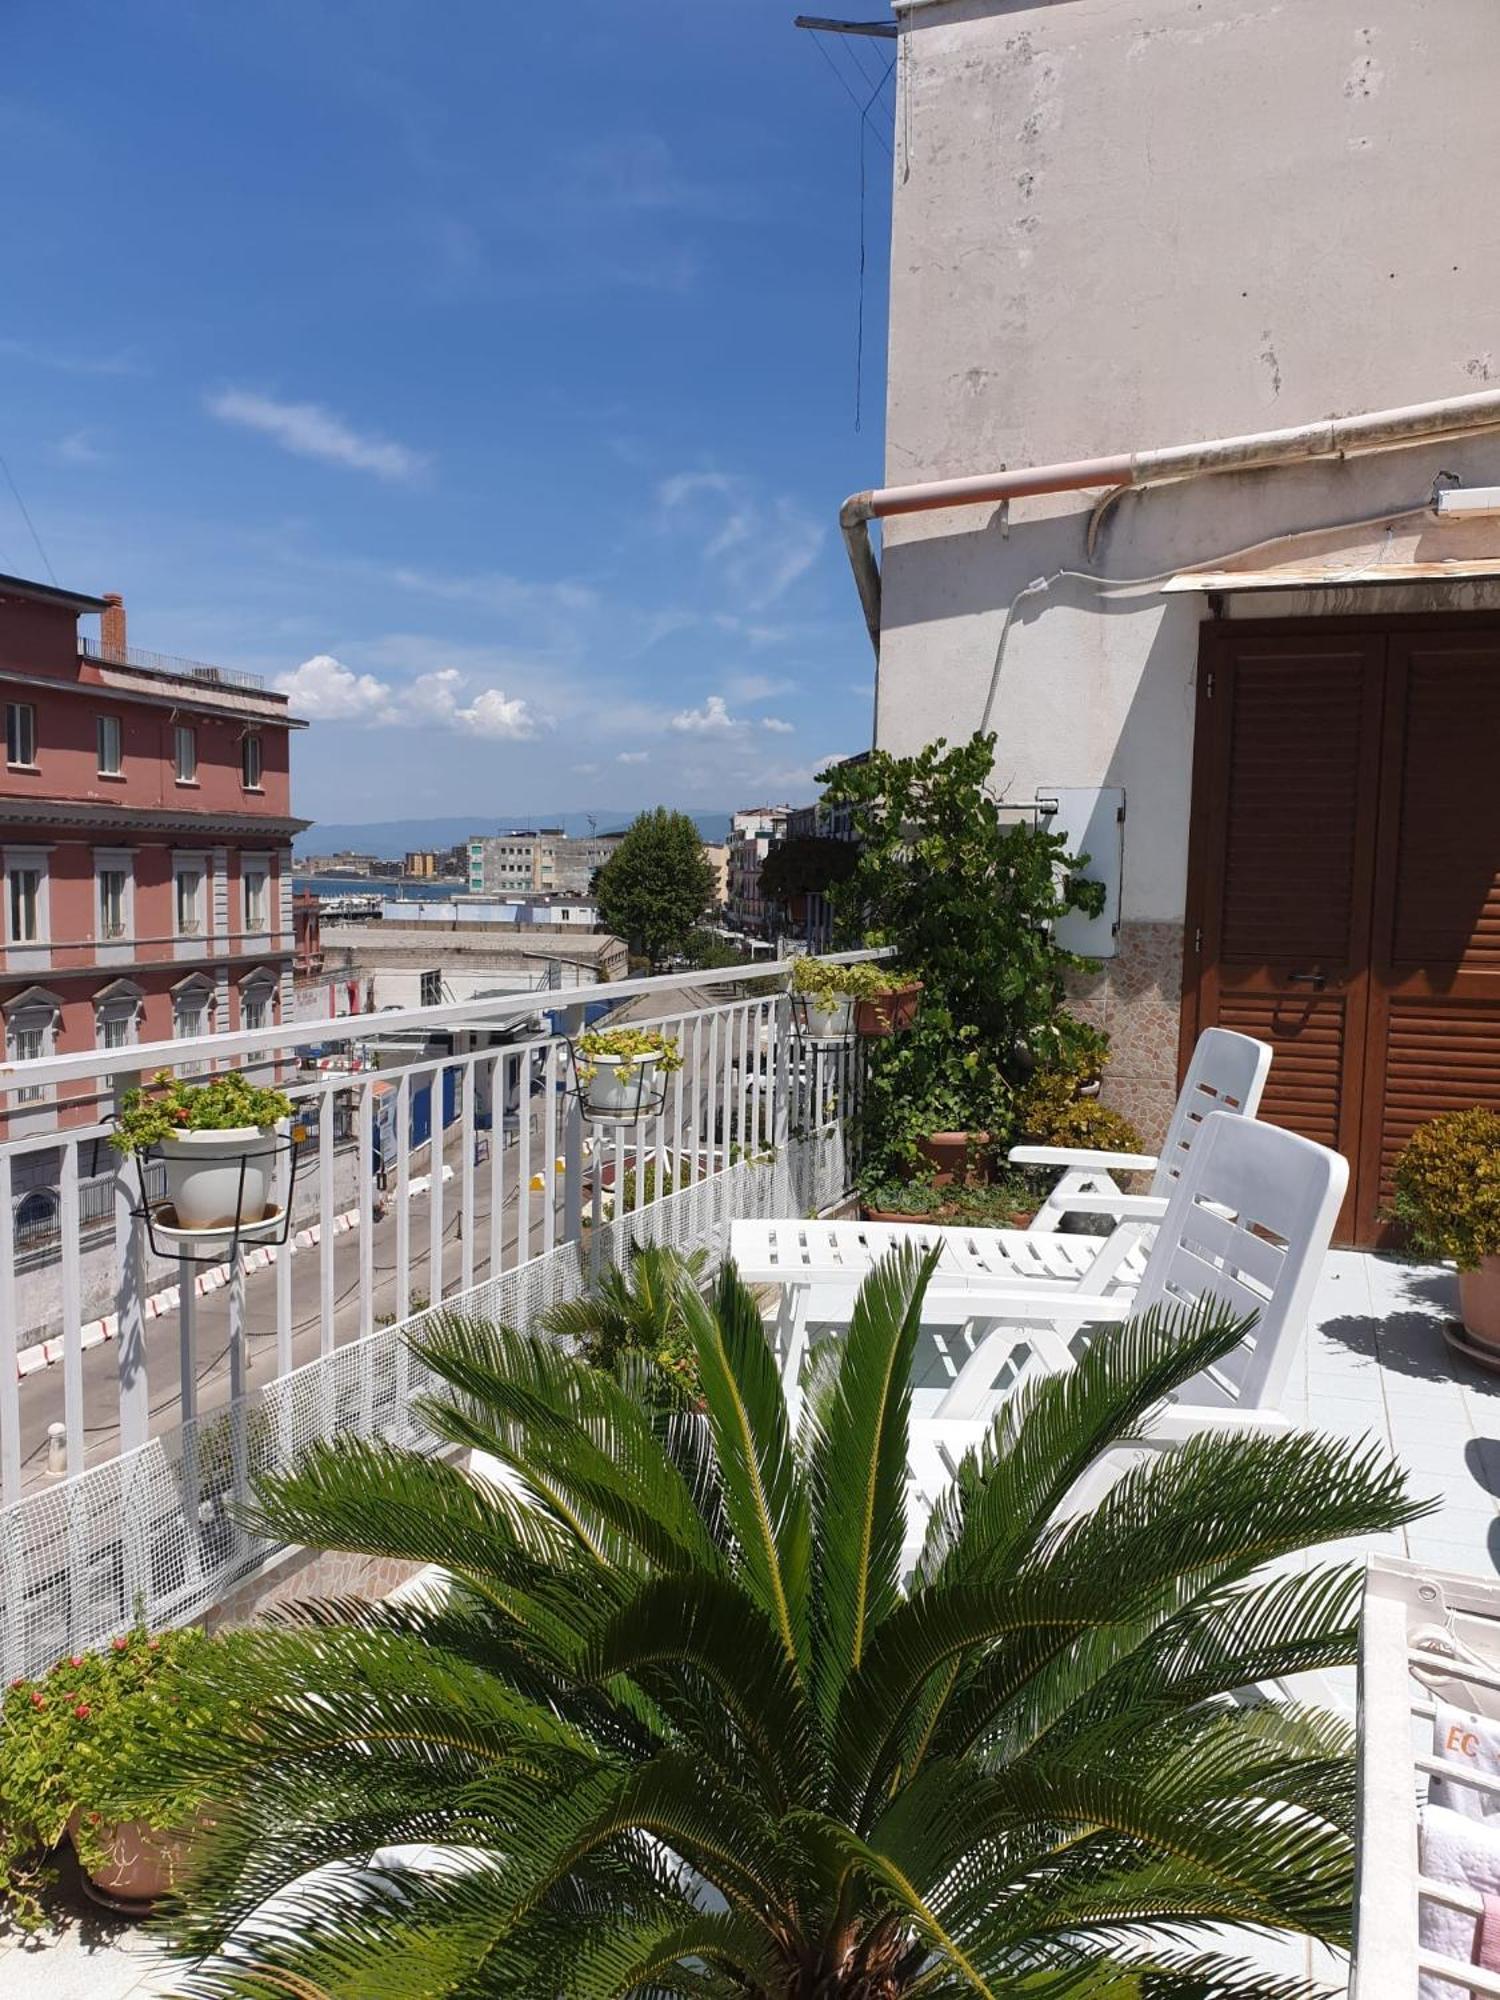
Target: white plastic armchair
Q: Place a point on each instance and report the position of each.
(1227, 1073)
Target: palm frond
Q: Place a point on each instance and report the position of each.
(765, 1499)
(855, 1448)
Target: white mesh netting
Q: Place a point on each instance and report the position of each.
(152, 1535)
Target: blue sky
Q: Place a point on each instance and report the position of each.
(482, 373)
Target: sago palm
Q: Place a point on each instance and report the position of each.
(682, 1729)
(640, 1309)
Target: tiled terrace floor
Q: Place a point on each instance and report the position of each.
(1375, 1364)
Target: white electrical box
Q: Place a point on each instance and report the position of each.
(1092, 821)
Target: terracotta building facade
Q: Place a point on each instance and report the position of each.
(145, 845)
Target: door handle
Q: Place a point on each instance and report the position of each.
(1317, 979)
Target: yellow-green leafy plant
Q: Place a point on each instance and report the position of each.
(1091, 1126)
(1446, 1187)
(629, 1046)
(828, 984)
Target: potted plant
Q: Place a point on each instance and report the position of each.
(826, 995)
(618, 1069)
(1009, 1203)
(1446, 1195)
(216, 1143)
(68, 1744)
(889, 1008)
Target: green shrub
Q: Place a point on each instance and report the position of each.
(69, 1741)
(1093, 1126)
(639, 1312)
(1447, 1187)
(167, 1107)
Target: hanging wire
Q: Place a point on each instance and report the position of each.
(10, 481)
(864, 101)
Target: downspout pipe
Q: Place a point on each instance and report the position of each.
(1124, 472)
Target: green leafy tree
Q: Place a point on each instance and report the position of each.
(656, 885)
(969, 900)
(681, 1728)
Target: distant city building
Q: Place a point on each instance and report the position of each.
(716, 854)
(419, 965)
(147, 849)
(542, 912)
(421, 864)
(542, 859)
(374, 866)
(751, 831)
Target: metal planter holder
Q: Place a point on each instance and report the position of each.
(642, 1097)
(220, 1243)
(814, 1029)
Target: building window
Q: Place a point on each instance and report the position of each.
(192, 1019)
(250, 762)
(114, 1031)
(255, 1009)
(111, 755)
(112, 894)
(431, 989)
(20, 733)
(189, 901)
(25, 905)
(255, 901)
(186, 740)
(30, 1046)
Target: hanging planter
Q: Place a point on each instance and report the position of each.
(218, 1144)
(889, 1011)
(620, 1074)
(823, 1002)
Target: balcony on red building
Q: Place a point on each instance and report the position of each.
(145, 845)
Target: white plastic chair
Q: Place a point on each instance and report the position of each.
(1248, 1224)
(820, 1265)
(1227, 1073)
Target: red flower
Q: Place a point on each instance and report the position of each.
(75, 1659)
(18, 1682)
(83, 1711)
(152, 1644)
(182, 1114)
(38, 1701)
(118, 1645)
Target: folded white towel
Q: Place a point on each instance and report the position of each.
(1468, 1742)
(1454, 1849)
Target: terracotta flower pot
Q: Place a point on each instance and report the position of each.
(140, 1864)
(1479, 1303)
(958, 1159)
(867, 1214)
(888, 1013)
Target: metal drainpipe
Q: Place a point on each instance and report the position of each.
(1332, 437)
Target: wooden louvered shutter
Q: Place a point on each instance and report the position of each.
(1434, 1025)
(1283, 849)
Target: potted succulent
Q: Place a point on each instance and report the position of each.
(68, 1740)
(1446, 1196)
(618, 1070)
(216, 1143)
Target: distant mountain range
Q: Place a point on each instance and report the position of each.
(391, 838)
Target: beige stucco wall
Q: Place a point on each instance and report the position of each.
(1125, 225)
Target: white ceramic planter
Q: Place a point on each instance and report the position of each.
(829, 1022)
(203, 1176)
(621, 1085)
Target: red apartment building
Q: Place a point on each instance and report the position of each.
(145, 843)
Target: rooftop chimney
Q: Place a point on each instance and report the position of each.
(112, 626)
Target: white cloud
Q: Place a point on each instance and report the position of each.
(634, 757)
(324, 690)
(311, 431)
(757, 687)
(77, 448)
(760, 546)
(713, 719)
(775, 723)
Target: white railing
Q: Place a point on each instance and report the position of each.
(139, 1395)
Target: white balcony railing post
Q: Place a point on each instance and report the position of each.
(10, 1383)
(573, 1021)
(130, 1254)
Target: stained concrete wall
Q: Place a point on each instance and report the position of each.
(1119, 226)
